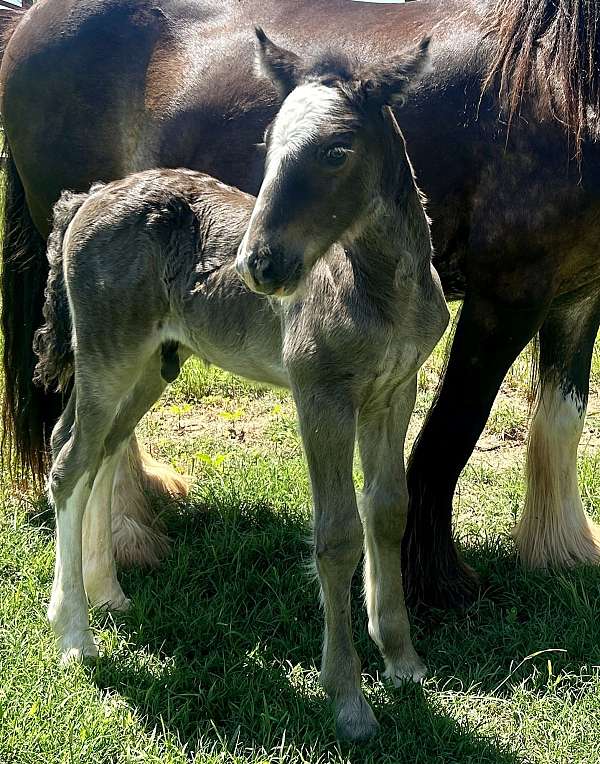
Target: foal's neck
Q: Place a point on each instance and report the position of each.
(391, 249)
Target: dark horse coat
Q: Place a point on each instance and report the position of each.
(501, 134)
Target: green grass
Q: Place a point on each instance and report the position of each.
(217, 660)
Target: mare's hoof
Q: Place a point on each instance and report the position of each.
(577, 545)
(355, 721)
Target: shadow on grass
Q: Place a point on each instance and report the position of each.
(224, 637)
(520, 613)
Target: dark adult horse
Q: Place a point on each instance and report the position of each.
(95, 89)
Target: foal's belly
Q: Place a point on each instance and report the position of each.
(253, 353)
(266, 371)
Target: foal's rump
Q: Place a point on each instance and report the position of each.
(133, 250)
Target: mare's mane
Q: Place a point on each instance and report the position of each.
(548, 49)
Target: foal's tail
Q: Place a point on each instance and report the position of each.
(52, 341)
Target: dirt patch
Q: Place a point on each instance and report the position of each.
(258, 423)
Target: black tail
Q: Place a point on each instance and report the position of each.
(52, 342)
(28, 413)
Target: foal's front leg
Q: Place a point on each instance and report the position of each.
(328, 432)
(382, 428)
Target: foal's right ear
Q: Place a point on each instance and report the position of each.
(277, 64)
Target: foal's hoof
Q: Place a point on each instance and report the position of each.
(408, 670)
(105, 594)
(120, 604)
(355, 721)
(78, 651)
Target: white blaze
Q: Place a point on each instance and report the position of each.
(304, 114)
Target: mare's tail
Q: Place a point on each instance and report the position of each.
(28, 412)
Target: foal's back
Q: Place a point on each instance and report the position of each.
(164, 206)
(151, 258)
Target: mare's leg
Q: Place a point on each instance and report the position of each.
(554, 530)
(383, 506)
(138, 533)
(488, 338)
(327, 423)
(99, 569)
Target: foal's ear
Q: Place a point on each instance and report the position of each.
(390, 82)
(277, 64)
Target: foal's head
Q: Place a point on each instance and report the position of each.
(333, 151)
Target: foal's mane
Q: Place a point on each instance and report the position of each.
(548, 49)
(334, 68)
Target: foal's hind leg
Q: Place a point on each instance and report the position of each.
(71, 480)
(554, 529)
(99, 570)
(381, 433)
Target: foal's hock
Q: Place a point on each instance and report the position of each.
(340, 303)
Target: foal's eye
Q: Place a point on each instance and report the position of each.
(335, 156)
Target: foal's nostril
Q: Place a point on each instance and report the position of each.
(264, 270)
(262, 267)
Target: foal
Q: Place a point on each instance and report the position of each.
(345, 307)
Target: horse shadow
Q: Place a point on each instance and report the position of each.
(223, 639)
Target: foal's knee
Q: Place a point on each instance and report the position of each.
(384, 513)
(69, 467)
(340, 546)
(61, 433)
(61, 485)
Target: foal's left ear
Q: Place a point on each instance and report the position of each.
(390, 82)
(277, 64)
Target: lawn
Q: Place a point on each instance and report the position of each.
(217, 660)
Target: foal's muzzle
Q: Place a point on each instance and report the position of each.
(267, 271)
